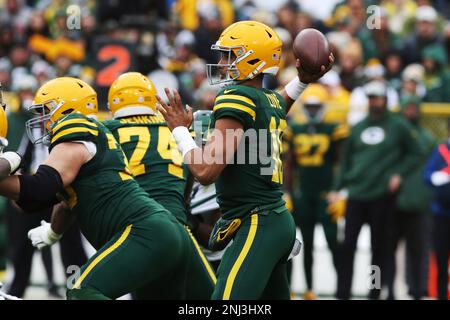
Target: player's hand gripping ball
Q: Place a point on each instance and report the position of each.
(312, 53)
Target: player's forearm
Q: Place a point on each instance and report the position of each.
(62, 218)
(206, 172)
(292, 91)
(289, 101)
(5, 168)
(10, 188)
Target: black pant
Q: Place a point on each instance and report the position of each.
(376, 213)
(441, 239)
(412, 226)
(20, 249)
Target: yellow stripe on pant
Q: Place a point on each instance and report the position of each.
(240, 260)
(202, 256)
(102, 255)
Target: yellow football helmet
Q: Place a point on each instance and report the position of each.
(3, 128)
(313, 100)
(131, 94)
(3, 118)
(251, 48)
(314, 94)
(56, 98)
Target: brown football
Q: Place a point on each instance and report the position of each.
(311, 48)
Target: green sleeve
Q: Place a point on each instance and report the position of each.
(411, 148)
(236, 104)
(74, 128)
(344, 163)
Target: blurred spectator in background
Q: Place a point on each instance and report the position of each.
(184, 53)
(399, 12)
(287, 56)
(379, 41)
(287, 16)
(37, 25)
(24, 87)
(437, 175)
(413, 81)
(437, 75)
(351, 70)
(337, 94)
(426, 33)
(63, 65)
(350, 12)
(359, 101)
(205, 96)
(163, 79)
(17, 14)
(393, 63)
(303, 21)
(42, 71)
(191, 80)
(208, 32)
(5, 73)
(6, 39)
(165, 42)
(186, 12)
(410, 220)
(20, 60)
(379, 152)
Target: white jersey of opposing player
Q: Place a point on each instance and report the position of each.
(204, 201)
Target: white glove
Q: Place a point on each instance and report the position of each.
(43, 236)
(439, 178)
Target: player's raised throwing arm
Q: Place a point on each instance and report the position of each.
(295, 87)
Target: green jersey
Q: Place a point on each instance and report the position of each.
(314, 149)
(104, 196)
(253, 180)
(376, 149)
(154, 159)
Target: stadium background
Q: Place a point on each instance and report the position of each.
(169, 40)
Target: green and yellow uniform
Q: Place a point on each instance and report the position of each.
(315, 151)
(156, 163)
(140, 245)
(154, 159)
(254, 266)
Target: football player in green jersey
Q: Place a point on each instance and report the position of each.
(312, 153)
(139, 243)
(242, 156)
(155, 162)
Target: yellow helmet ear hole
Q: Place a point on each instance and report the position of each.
(253, 61)
(68, 111)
